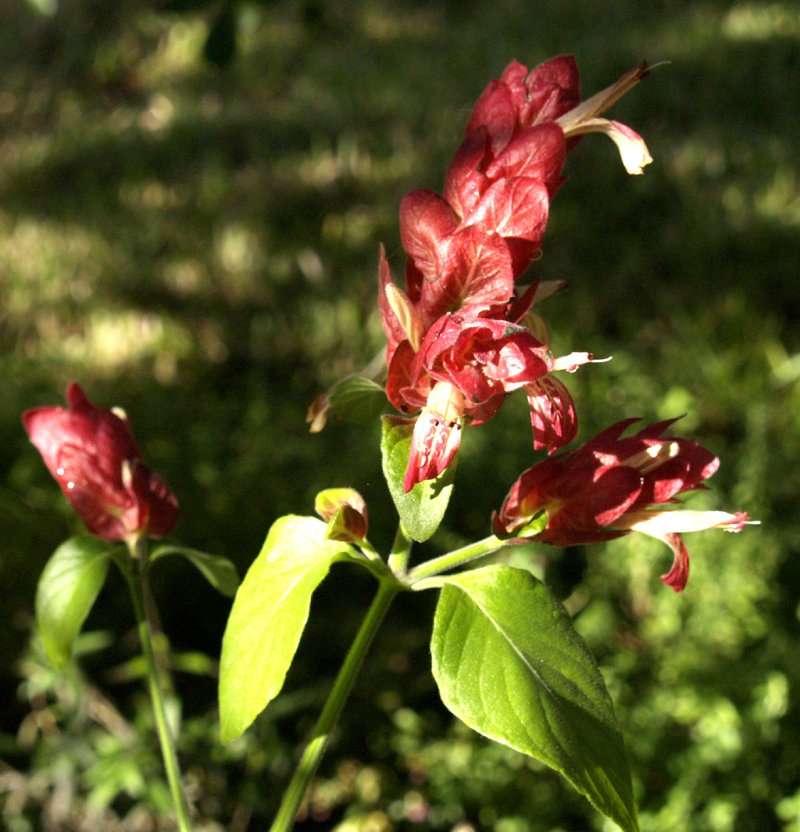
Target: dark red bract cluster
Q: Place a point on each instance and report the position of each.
(459, 321)
(93, 456)
(611, 486)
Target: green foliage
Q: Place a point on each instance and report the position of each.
(421, 510)
(217, 570)
(107, 758)
(358, 400)
(67, 590)
(509, 664)
(268, 617)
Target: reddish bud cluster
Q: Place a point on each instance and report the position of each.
(95, 459)
(611, 486)
(457, 335)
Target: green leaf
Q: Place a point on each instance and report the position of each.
(68, 587)
(421, 510)
(510, 664)
(358, 399)
(268, 617)
(216, 569)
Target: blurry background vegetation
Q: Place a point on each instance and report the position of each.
(192, 197)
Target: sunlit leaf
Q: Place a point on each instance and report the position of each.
(268, 617)
(421, 510)
(510, 664)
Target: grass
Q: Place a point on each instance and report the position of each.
(198, 243)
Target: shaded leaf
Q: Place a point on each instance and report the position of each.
(219, 571)
(67, 590)
(358, 399)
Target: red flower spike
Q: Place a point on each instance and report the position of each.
(612, 486)
(495, 112)
(458, 321)
(476, 268)
(517, 209)
(93, 456)
(538, 152)
(391, 323)
(464, 183)
(481, 356)
(426, 221)
(552, 88)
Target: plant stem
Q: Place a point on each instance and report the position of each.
(455, 558)
(312, 755)
(139, 591)
(401, 551)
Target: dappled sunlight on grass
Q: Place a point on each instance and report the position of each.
(757, 21)
(47, 263)
(779, 200)
(179, 54)
(107, 342)
(197, 242)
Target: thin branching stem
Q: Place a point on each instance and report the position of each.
(137, 581)
(312, 755)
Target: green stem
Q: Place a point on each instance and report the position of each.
(401, 551)
(455, 558)
(333, 707)
(139, 592)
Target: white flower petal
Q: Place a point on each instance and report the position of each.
(632, 148)
(660, 523)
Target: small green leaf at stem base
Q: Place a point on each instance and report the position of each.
(268, 617)
(357, 399)
(216, 569)
(68, 587)
(510, 664)
(421, 510)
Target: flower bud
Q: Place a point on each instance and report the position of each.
(93, 456)
(612, 486)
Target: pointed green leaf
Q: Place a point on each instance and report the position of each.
(358, 399)
(216, 569)
(68, 587)
(421, 510)
(268, 617)
(510, 664)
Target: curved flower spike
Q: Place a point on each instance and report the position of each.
(612, 486)
(93, 456)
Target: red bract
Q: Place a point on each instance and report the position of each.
(470, 245)
(95, 459)
(458, 323)
(612, 486)
(464, 367)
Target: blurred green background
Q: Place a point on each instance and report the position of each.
(191, 202)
